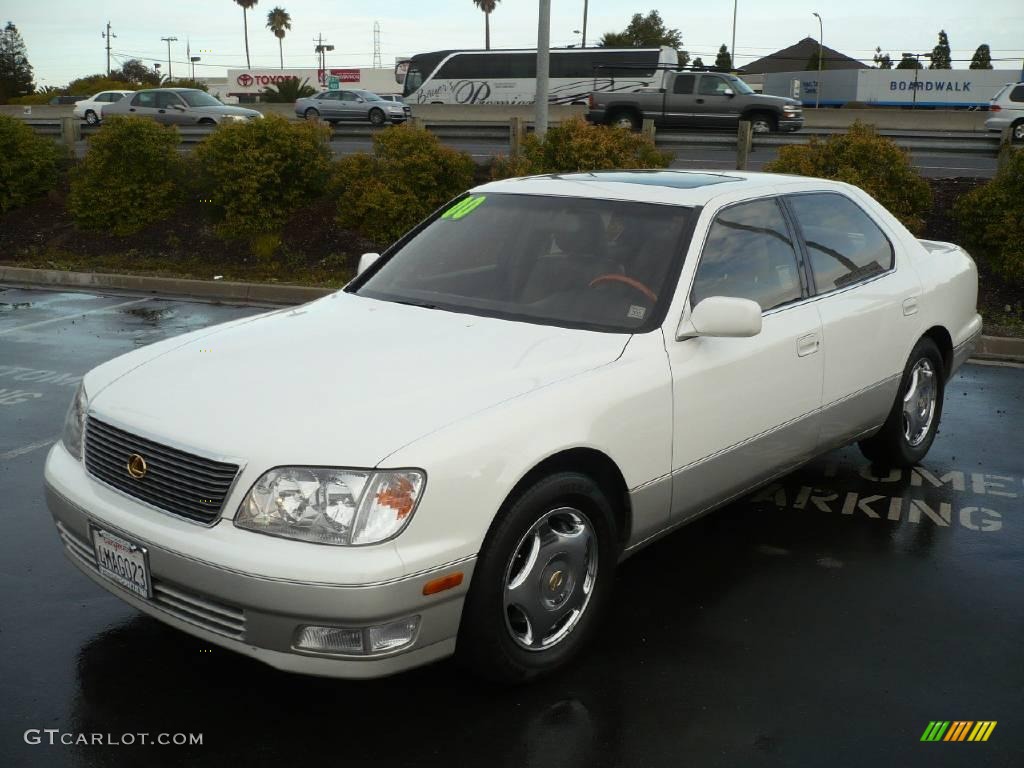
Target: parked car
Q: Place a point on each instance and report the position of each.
(337, 106)
(91, 109)
(179, 106)
(698, 100)
(452, 453)
(63, 100)
(1007, 109)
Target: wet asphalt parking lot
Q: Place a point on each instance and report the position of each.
(826, 620)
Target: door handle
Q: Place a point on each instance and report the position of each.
(163, 111)
(910, 306)
(131, 109)
(807, 344)
(700, 101)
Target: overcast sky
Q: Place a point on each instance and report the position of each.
(63, 36)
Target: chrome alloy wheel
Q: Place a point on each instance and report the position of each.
(919, 403)
(623, 121)
(550, 578)
(761, 125)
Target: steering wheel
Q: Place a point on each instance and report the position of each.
(636, 285)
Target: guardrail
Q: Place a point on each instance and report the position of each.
(510, 133)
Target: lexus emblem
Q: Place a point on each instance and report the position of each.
(137, 467)
(554, 582)
(245, 79)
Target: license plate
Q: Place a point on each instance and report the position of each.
(123, 562)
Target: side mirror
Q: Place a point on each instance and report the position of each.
(721, 316)
(179, 107)
(367, 260)
(729, 92)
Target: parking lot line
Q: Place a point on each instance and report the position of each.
(27, 449)
(72, 316)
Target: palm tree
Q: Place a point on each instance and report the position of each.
(487, 6)
(246, 5)
(278, 20)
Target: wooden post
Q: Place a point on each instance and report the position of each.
(516, 134)
(70, 131)
(647, 129)
(1005, 148)
(744, 137)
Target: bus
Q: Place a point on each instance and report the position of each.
(510, 76)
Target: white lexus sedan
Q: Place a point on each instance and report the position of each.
(451, 454)
(91, 109)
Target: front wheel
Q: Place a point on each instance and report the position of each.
(762, 123)
(910, 429)
(377, 117)
(543, 577)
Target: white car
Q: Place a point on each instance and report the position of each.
(91, 109)
(451, 454)
(1007, 111)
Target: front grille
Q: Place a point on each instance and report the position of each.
(175, 481)
(191, 607)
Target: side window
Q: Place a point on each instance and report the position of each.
(712, 86)
(683, 84)
(749, 254)
(144, 99)
(845, 246)
(1017, 94)
(348, 96)
(166, 100)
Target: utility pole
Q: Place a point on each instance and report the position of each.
(540, 120)
(321, 49)
(108, 35)
(732, 51)
(585, 4)
(821, 55)
(169, 40)
(376, 45)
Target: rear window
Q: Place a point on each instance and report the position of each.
(844, 245)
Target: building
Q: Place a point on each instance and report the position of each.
(245, 85)
(796, 57)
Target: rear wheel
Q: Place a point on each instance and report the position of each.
(543, 577)
(625, 119)
(761, 122)
(1017, 131)
(909, 431)
(91, 118)
(377, 117)
(311, 114)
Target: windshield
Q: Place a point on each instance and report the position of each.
(739, 86)
(581, 263)
(369, 96)
(413, 80)
(199, 99)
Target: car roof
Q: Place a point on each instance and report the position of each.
(679, 187)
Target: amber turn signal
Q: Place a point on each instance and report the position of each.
(445, 582)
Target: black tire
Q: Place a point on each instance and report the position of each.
(377, 117)
(1017, 132)
(625, 118)
(762, 122)
(487, 644)
(891, 446)
(91, 118)
(311, 114)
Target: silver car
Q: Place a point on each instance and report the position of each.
(336, 106)
(179, 106)
(1007, 110)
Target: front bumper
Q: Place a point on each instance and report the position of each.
(791, 123)
(260, 616)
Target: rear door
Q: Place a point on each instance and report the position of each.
(714, 106)
(679, 101)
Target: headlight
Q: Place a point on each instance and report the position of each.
(74, 423)
(328, 505)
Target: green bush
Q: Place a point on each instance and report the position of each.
(575, 145)
(131, 176)
(863, 158)
(257, 173)
(410, 174)
(29, 164)
(991, 219)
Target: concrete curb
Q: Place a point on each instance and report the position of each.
(998, 348)
(206, 290)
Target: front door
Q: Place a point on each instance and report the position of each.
(746, 409)
(714, 106)
(143, 104)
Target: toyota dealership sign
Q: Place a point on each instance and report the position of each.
(245, 81)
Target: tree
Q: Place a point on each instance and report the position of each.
(909, 62)
(246, 5)
(882, 60)
(487, 6)
(135, 72)
(812, 63)
(287, 91)
(15, 71)
(724, 58)
(982, 57)
(279, 20)
(698, 63)
(940, 55)
(646, 32)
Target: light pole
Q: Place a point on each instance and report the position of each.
(585, 4)
(194, 59)
(540, 120)
(169, 40)
(821, 55)
(732, 51)
(917, 57)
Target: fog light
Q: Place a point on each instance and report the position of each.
(388, 637)
(330, 640)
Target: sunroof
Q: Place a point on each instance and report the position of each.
(676, 179)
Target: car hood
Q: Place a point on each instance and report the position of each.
(226, 109)
(344, 381)
(780, 101)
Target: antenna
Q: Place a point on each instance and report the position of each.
(376, 45)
